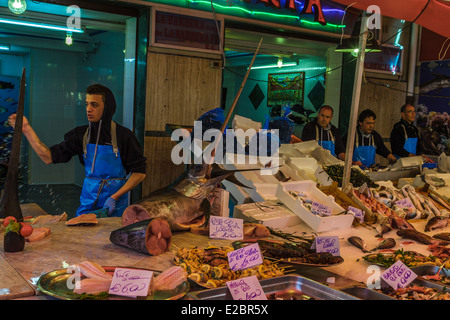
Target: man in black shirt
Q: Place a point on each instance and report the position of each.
(326, 134)
(404, 135)
(368, 142)
(108, 151)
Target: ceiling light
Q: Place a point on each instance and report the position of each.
(275, 66)
(17, 6)
(69, 39)
(40, 25)
(280, 62)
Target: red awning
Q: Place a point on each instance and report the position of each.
(431, 14)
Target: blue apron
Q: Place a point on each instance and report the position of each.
(365, 154)
(410, 143)
(105, 175)
(329, 144)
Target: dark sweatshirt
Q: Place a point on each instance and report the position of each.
(398, 138)
(129, 147)
(332, 133)
(380, 147)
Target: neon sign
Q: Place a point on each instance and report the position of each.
(311, 6)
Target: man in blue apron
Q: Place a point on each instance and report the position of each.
(111, 154)
(368, 142)
(326, 134)
(405, 139)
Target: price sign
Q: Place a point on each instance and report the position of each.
(247, 288)
(358, 213)
(130, 282)
(327, 244)
(398, 275)
(320, 209)
(226, 228)
(245, 258)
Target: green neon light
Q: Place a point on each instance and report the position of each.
(254, 13)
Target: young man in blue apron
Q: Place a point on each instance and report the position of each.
(326, 134)
(368, 142)
(405, 139)
(111, 154)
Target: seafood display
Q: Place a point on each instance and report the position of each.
(385, 244)
(297, 253)
(409, 258)
(417, 292)
(357, 176)
(209, 268)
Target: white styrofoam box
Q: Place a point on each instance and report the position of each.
(407, 162)
(240, 194)
(249, 178)
(263, 192)
(240, 122)
(305, 166)
(269, 213)
(317, 223)
(306, 147)
(289, 150)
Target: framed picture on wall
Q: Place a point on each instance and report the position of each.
(285, 87)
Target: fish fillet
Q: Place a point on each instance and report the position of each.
(169, 279)
(38, 234)
(93, 270)
(84, 219)
(92, 286)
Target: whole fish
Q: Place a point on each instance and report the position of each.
(442, 236)
(416, 236)
(397, 222)
(358, 242)
(385, 228)
(184, 204)
(385, 244)
(436, 223)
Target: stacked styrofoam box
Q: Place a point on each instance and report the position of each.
(316, 222)
(269, 213)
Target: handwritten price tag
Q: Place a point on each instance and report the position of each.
(130, 282)
(327, 244)
(320, 209)
(247, 288)
(245, 258)
(226, 228)
(398, 275)
(358, 213)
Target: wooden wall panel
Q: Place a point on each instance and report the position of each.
(160, 169)
(384, 102)
(179, 90)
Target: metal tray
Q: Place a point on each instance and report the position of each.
(366, 294)
(54, 284)
(426, 270)
(293, 285)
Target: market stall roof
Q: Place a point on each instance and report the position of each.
(431, 14)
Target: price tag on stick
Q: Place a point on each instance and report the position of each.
(245, 258)
(247, 288)
(130, 282)
(226, 228)
(398, 275)
(327, 244)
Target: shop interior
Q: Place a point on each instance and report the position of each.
(105, 53)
